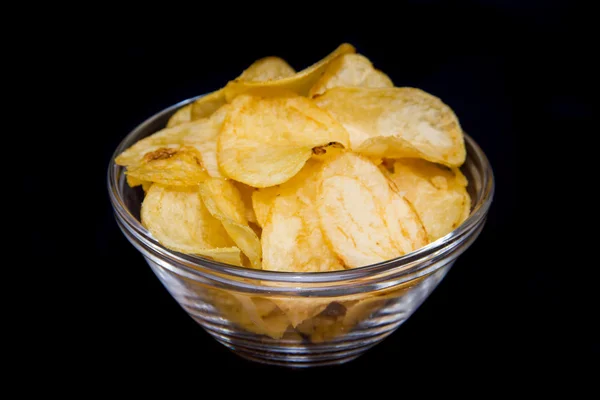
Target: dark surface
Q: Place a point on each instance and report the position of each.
(516, 74)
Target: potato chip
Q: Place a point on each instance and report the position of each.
(204, 139)
(262, 70)
(350, 70)
(172, 167)
(133, 182)
(223, 201)
(206, 105)
(267, 69)
(409, 122)
(266, 141)
(322, 328)
(299, 83)
(438, 194)
(178, 219)
(292, 239)
(249, 314)
(273, 327)
(302, 184)
(183, 115)
(171, 138)
(246, 193)
(300, 309)
(362, 218)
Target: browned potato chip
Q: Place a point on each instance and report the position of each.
(292, 239)
(299, 83)
(438, 194)
(183, 115)
(266, 140)
(362, 218)
(223, 201)
(267, 69)
(396, 123)
(178, 219)
(350, 70)
(174, 138)
(172, 167)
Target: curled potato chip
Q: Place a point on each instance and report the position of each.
(183, 115)
(204, 139)
(266, 141)
(167, 166)
(262, 70)
(362, 218)
(171, 138)
(224, 202)
(292, 239)
(350, 70)
(178, 219)
(409, 122)
(299, 83)
(438, 194)
(267, 69)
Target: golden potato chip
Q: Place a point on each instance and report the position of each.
(409, 122)
(249, 314)
(302, 184)
(172, 167)
(274, 327)
(133, 182)
(204, 139)
(246, 193)
(178, 219)
(300, 309)
(438, 194)
(262, 70)
(223, 201)
(171, 138)
(350, 70)
(292, 239)
(362, 218)
(299, 83)
(322, 328)
(267, 69)
(266, 141)
(183, 115)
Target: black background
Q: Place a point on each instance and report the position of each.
(517, 74)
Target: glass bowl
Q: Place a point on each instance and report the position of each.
(299, 319)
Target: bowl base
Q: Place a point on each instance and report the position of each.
(296, 360)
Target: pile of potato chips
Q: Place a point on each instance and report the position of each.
(320, 170)
(325, 169)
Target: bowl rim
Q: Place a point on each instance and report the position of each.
(196, 265)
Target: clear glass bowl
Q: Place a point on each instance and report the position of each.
(299, 319)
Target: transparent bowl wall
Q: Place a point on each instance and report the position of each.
(299, 319)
